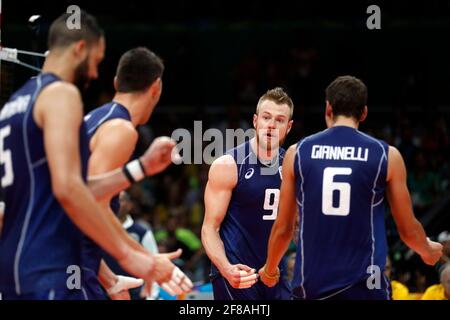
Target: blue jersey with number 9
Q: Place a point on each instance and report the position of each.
(253, 207)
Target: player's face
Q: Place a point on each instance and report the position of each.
(272, 124)
(87, 70)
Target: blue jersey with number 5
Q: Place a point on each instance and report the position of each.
(38, 241)
(340, 184)
(252, 209)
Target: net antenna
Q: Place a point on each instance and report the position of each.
(12, 54)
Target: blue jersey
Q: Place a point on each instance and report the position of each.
(340, 184)
(92, 253)
(253, 208)
(38, 241)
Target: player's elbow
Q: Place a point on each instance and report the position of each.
(207, 232)
(64, 189)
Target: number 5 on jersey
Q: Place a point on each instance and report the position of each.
(6, 159)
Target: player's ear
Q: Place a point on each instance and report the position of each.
(289, 127)
(80, 49)
(156, 88)
(364, 114)
(116, 84)
(255, 118)
(328, 114)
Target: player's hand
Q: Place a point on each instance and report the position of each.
(139, 264)
(269, 280)
(159, 155)
(119, 291)
(168, 275)
(240, 276)
(433, 254)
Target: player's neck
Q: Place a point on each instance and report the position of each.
(262, 153)
(345, 121)
(57, 65)
(132, 104)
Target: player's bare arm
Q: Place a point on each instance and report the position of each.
(156, 159)
(410, 230)
(112, 145)
(221, 181)
(59, 109)
(117, 286)
(283, 228)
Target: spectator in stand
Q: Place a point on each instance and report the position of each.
(440, 291)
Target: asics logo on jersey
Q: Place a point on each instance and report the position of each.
(249, 173)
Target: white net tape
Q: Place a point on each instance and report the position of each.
(8, 54)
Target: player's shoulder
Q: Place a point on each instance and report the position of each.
(60, 99)
(223, 170)
(120, 124)
(292, 149)
(61, 88)
(394, 156)
(119, 128)
(289, 155)
(371, 140)
(312, 138)
(243, 148)
(226, 160)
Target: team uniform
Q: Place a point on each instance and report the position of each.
(246, 227)
(340, 184)
(92, 253)
(40, 247)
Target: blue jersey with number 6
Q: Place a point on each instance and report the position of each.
(252, 209)
(340, 184)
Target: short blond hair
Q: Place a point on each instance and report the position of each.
(279, 96)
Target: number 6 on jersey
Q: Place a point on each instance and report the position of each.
(328, 188)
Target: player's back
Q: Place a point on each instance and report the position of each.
(92, 253)
(340, 184)
(38, 241)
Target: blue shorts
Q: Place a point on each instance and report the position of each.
(92, 286)
(359, 291)
(224, 291)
